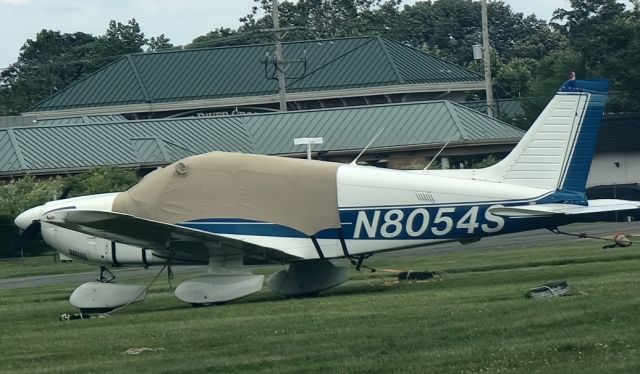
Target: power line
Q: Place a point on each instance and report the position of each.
(254, 34)
(248, 34)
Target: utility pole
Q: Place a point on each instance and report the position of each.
(486, 58)
(277, 34)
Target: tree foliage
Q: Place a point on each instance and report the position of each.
(603, 34)
(226, 37)
(159, 43)
(20, 194)
(17, 195)
(46, 64)
(607, 36)
(120, 39)
(54, 60)
(448, 27)
(101, 180)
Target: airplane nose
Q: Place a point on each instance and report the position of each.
(24, 219)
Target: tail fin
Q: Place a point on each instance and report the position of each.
(556, 152)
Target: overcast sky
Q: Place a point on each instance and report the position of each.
(180, 20)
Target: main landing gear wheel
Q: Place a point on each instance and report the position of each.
(226, 279)
(306, 278)
(103, 295)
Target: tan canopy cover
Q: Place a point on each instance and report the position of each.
(300, 194)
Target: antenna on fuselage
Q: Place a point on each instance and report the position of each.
(365, 148)
(436, 156)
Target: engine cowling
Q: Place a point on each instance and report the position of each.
(97, 250)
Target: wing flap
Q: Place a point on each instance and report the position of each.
(160, 236)
(543, 210)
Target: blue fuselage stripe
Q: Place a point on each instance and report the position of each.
(427, 222)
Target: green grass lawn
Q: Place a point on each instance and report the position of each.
(475, 320)
(41, 265)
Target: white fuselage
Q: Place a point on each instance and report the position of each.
(380, 210)
(384, 209)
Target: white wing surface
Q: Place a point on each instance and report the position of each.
(162, 237)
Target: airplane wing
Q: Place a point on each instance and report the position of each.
(542, 210)
(184, 242)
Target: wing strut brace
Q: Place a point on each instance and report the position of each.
(358, 260)
(355, 260)
(102, 278)
(317, 246)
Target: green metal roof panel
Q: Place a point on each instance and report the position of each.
(77, 146)
(177, 152)
(114, 84)
(71, 146)
(506, 108)
(8, 156)
(352, 128)
(81, 119)
(124, 143)
(416, 66)
(205, 73)
(148, 149)
(240, 71)
(344, 63)
(479, 126)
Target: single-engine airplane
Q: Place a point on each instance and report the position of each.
(230, 210)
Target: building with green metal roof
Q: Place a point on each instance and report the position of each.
(414, 130)
(213, 81)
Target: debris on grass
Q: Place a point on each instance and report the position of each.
(74, 316)
(412, 275)
(137, 351)
(552, 289)
(619, 240)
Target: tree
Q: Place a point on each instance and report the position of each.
(537, 40)
(607, 36)
(20, 194)
(161, 43)
(119, 39)
(450, 28)
(546, 77)
(225, 37)
(311, 19)
(46, 64)
(514, 77)
(53, 60)
(323, 19)
(101, 180)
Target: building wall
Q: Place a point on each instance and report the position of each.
(614, 168)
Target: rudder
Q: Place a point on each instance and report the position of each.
(557, 151)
